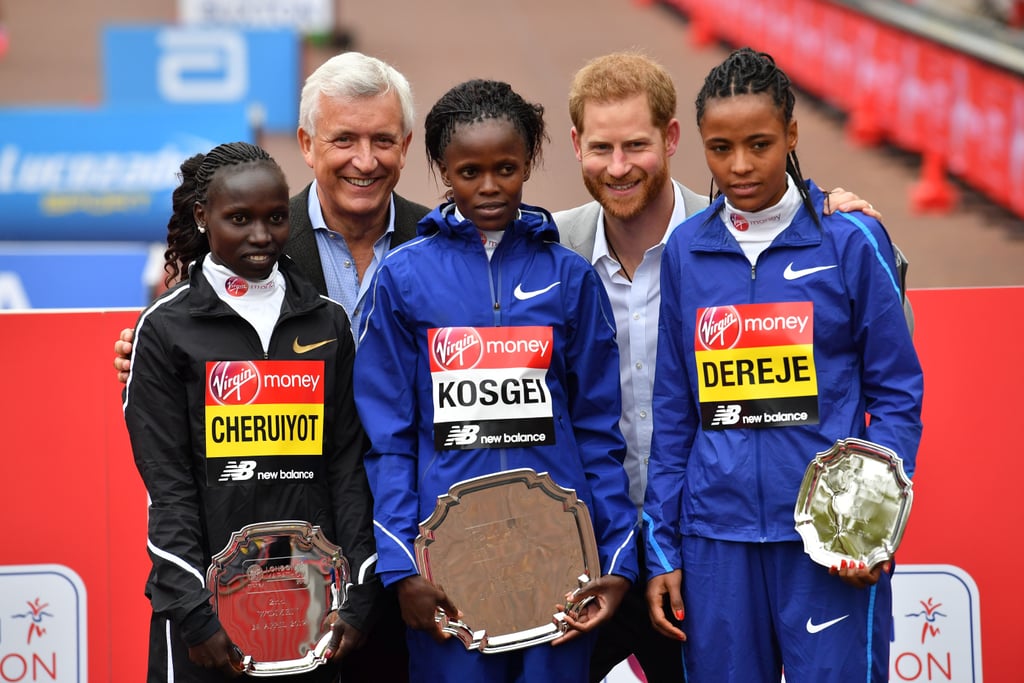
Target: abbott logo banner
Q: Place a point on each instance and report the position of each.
(202, 66)
(173, 66)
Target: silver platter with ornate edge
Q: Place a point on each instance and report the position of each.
(275, 586)
(506, 548)
(853, 504)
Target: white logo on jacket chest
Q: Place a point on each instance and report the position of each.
(795, 274)
(524, 295)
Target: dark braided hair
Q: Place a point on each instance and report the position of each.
(185, 243)
(746, 72)
(475, 101)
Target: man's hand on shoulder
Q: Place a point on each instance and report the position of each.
(123, 351)
(838, 199)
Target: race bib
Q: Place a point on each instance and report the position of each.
(489, 387)
(264, 420)
(755, 365)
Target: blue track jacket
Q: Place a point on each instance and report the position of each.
(720, 474)
(435, 299)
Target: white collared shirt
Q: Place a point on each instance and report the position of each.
(340, 275)
(635, 305)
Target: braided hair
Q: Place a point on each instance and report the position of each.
(185, 243)
(475, 101)
(746, 72)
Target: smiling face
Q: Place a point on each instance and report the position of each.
(624, 156)
(746, 142)
(486, 165)
(246, 218)
(357, 154)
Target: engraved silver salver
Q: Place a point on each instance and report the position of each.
(506, 548)
(853, 504)
(274, 586)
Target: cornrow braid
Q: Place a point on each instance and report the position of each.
(746, 72)
(185, 243)
(475, 101)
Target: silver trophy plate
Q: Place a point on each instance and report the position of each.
(274, 586)
(853, 504)
(506, 548)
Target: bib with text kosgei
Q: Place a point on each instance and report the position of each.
(489, 387)
(755, 365)
(264, 420)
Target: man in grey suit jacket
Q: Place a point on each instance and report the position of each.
(624, 134)
(577, 228)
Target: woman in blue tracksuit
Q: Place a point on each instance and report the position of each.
(780, 330)
(490, 347)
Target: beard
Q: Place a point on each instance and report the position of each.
(627, 208)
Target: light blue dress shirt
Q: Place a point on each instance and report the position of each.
(343, 282)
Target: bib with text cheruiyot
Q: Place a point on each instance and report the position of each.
(264, 420)
(755, 365)
(489, 387)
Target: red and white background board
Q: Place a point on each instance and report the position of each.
(73, 565)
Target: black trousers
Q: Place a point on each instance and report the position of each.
(629, 632)
(384, 656)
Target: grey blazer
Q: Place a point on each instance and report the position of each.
(577, 227)
(301, 245)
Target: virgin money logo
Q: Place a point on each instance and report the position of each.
(236, 286)
(234, 382)
(457, 348)
(739, 222)
(719, 328)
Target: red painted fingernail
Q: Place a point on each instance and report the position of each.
(679, 614)
(862, 565)
(842, 565)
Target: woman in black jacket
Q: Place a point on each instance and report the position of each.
(240, 410)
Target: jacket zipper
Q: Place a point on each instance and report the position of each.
(494, 267)
(758, 455)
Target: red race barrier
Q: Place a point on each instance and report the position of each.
(75, 509)
(895, 86)
(70, 497)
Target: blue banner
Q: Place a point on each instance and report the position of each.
(78, 274)
(177, 66)
(101, 174)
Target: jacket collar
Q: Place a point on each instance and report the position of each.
(300, 295)
(533, 222)
(712, 235)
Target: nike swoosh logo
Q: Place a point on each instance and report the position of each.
(817, 628)
(304, 348)
(523, 295)
(791, 274)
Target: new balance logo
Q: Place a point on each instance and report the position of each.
(238, 470)
(461, 435)
(726, 415)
